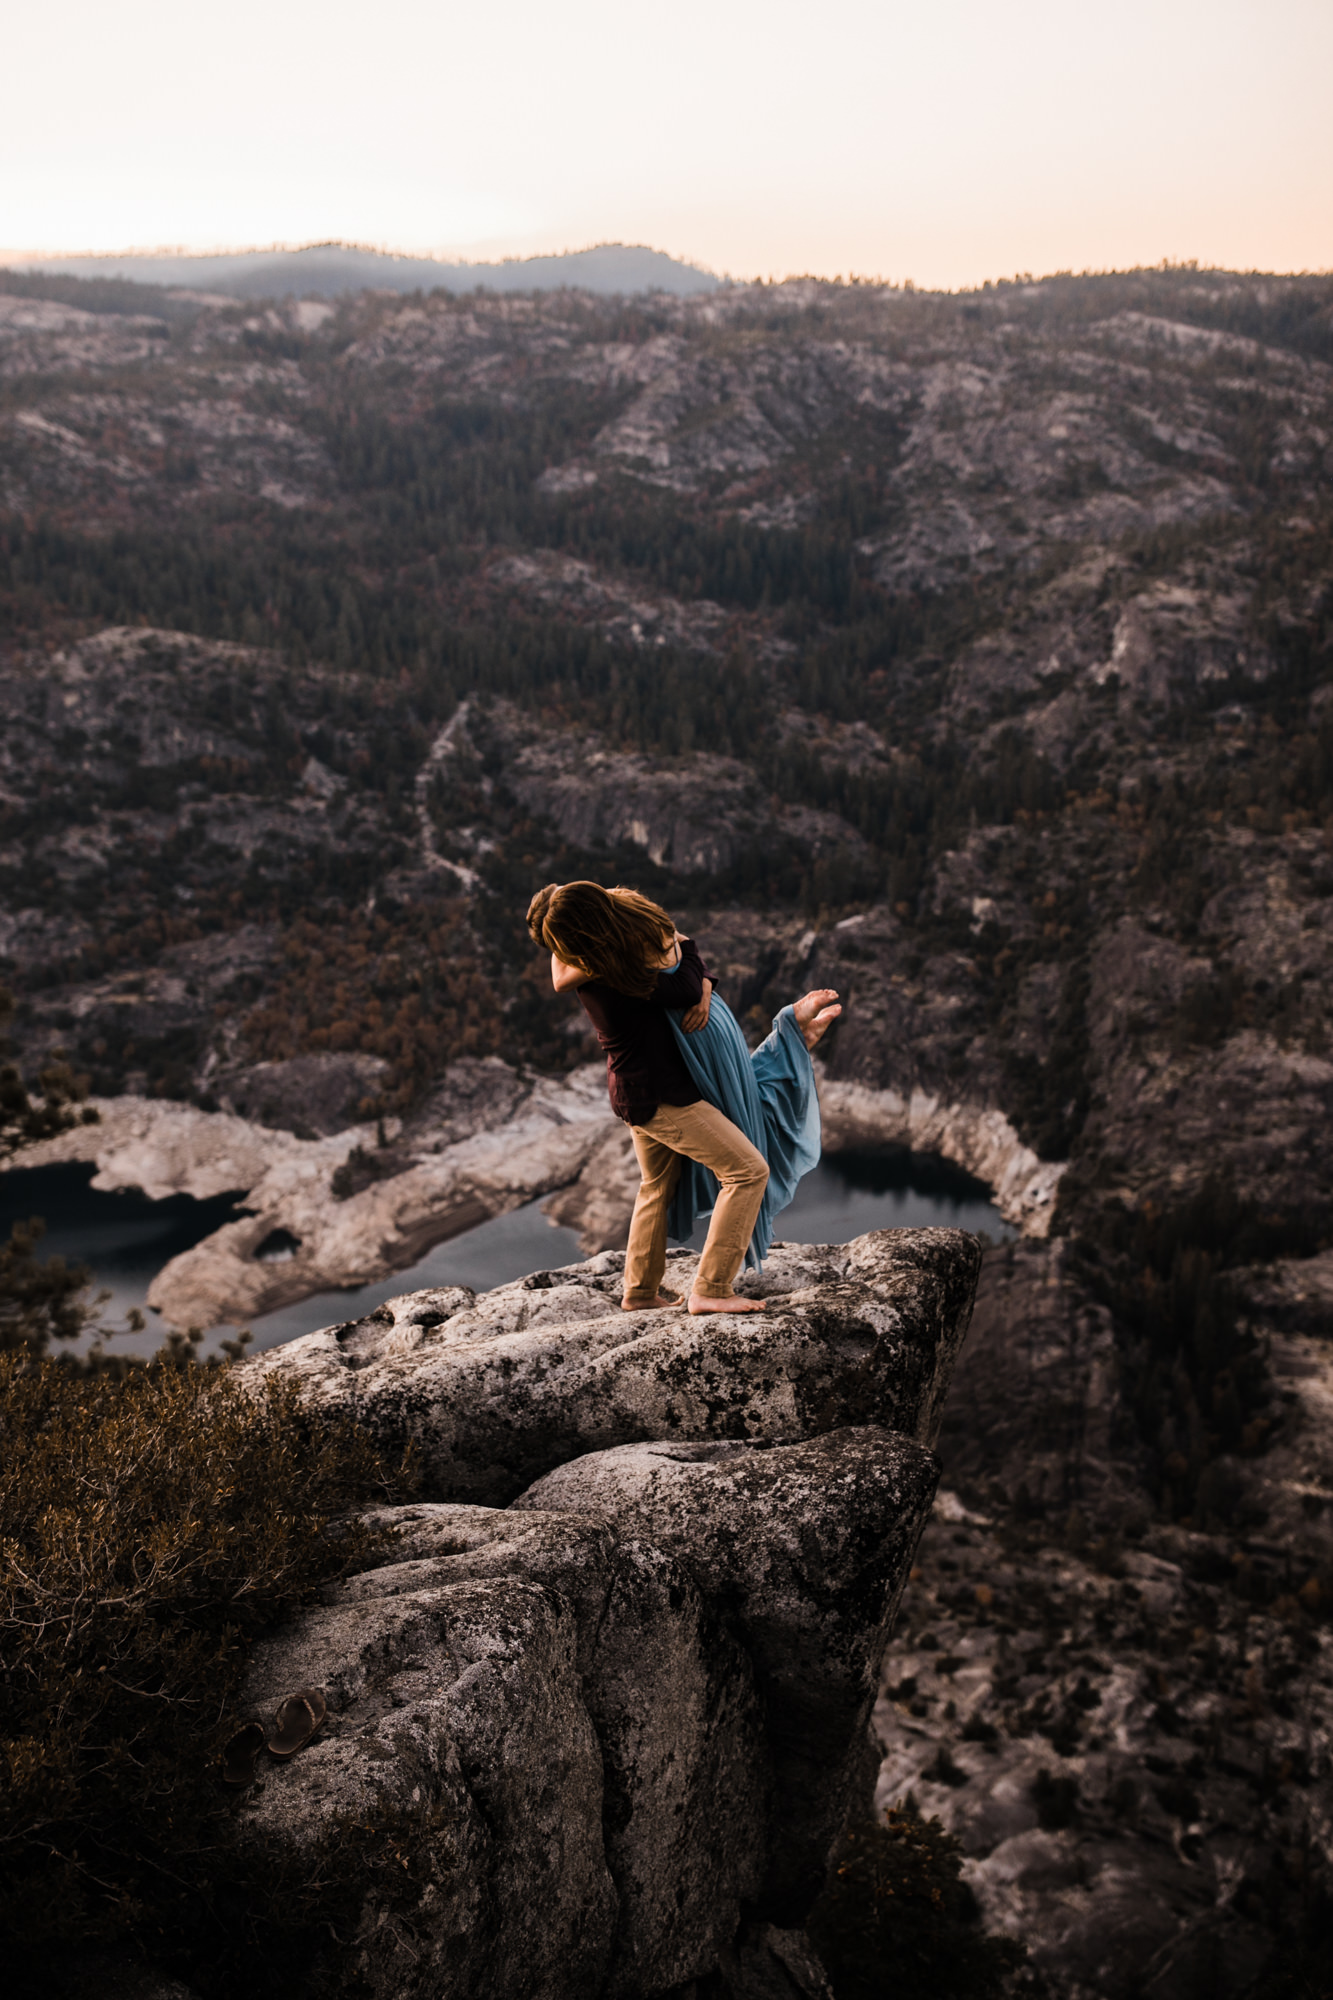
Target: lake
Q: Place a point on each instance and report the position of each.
(125, 1239)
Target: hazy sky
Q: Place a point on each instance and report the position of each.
(946, 141)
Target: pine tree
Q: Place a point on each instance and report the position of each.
(39, 1301)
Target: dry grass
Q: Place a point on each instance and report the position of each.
(150, 1524)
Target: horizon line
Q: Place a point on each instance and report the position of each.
(290, 249)
(34, 258)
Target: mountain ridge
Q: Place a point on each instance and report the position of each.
(331, 270)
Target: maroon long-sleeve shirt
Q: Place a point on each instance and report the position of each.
(644, 1067)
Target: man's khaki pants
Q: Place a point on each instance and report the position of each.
(693, 1132)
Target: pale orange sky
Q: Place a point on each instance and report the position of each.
(945, 142)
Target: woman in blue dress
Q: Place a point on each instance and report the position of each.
(719, 1131)
(769, 1092)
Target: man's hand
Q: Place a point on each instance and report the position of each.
(697, 1017)
(564, 976)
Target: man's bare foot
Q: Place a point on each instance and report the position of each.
(662, 1303)
(734, 1304)
(815, 1014)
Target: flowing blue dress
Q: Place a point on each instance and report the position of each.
(770, 1095)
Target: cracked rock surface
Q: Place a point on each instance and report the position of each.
(616, 1724)
(495, 1391)
(801, 1542)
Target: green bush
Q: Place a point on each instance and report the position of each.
(151, 1523)
(897, 1922)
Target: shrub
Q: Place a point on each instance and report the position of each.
(24, 1118)
(151, 1523)
(897, 1922)
(39, 1302)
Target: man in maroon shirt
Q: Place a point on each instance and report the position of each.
(649, 1085)
(644, 1066)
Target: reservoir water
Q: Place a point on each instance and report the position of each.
(125, 1239)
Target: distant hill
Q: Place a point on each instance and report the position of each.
(327, 270)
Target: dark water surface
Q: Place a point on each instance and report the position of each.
(125, 1239)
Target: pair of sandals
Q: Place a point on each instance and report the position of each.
(298, 1718)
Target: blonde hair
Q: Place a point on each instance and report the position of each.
(615, 935)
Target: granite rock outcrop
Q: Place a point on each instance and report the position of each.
(800, 1541)
(493, 1392)
(995, 634)
(348, 1204)
(616, 1721)
(485, 1142)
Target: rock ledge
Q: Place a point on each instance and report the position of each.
(610, 1688)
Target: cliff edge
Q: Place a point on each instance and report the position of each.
(607, 1696)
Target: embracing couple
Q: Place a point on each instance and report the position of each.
(717, 1130)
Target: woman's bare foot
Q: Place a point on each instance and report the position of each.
(662, 1303)
(734, 1304)
(815, 1014)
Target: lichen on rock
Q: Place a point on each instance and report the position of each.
(493, 1392)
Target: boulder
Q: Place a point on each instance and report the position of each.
(598, 1744)
(459, 1737)
(805, 1547)
(541, 1711)
(494, 1392)
(688, 1771)
(615, 1738)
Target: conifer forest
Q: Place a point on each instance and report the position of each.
(972, 654)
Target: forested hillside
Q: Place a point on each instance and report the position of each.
(972, 654)
(1010, 613)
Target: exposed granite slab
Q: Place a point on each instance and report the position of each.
(493, 1392)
